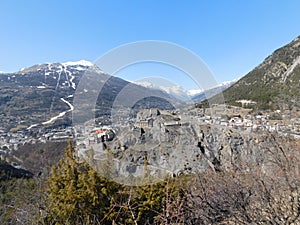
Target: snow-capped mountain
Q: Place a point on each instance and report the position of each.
(175, 91)
(53, 75)
(191, 95)
(194, 92)
(205, 94)
(43, 94)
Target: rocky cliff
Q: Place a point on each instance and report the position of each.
(173, 145)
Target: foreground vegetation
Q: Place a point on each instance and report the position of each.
(74, 193)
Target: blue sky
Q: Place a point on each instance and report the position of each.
(231, 37)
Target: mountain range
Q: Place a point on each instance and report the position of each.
(43, 94)
(194, 95)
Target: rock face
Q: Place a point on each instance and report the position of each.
(175, 146)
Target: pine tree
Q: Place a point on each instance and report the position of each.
(77, 194)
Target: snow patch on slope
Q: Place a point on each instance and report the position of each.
(79, 63)
(53, 119)
(193, 92)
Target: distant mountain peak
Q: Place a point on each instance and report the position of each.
(180, 93)
(81, 65)
(204, 94)
(194, 92)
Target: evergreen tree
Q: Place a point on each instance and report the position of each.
(77, 195)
